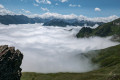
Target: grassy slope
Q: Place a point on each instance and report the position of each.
(109, 60)
(104, 30)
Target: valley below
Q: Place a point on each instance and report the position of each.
(56, 53)
(52, 49)
(109, 68)
(59, 40)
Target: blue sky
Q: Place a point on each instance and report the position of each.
(89, 8)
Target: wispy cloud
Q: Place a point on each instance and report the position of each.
(1, 6)
(35, 4)
(73, 16)
(45, 9)
(26, 11)
(63, 1)
(43, 1)
(56, 4)
(97, 9)
(4, 11)
(73, 5)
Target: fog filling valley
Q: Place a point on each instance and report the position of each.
(50, 49)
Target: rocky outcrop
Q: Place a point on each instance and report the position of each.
(10, 61)
(116, 38)
(84, 32)
(114, 77)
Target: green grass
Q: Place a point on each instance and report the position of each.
(108, 59)
(107, 29)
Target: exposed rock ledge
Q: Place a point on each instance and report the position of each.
(10, 61)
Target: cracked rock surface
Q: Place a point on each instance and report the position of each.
(10, 62)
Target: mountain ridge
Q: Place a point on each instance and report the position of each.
(22, 19)
(107, 29)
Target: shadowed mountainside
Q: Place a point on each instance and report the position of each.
(107, 29)
(18, 19)
(61, 22)
(10, 61)
(22, 19)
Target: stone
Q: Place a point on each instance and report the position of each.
(10, 62)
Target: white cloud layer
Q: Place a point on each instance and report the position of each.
(63, 1)
(45, 9)
(1, 6)
(73, 5)
(35, 4)
(73, 16)
(43, 1)
(97, 9)
(26, 11)
(51, 49)
(4, 11)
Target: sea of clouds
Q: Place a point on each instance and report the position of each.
(50, 49)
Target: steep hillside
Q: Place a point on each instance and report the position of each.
(109, 68)
(108, 29)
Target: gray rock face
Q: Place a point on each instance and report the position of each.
(115, 38)
(10, 61)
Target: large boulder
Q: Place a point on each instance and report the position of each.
(10, 62)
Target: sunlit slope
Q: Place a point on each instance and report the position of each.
(108, 29)
(108, 59)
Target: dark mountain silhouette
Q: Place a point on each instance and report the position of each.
(72, 22)
(22, 19)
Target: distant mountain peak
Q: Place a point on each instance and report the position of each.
(54, 19)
